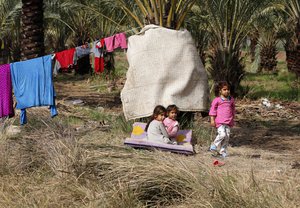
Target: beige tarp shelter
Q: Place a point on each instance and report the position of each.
(164, 69)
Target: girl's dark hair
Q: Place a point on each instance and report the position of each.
(159, 109)
(172, 107)
(219, 86)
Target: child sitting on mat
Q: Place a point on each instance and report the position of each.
(171, 124)
(155, 128)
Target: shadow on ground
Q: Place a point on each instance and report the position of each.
(268, 135)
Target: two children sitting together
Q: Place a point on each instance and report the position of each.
(163, 129)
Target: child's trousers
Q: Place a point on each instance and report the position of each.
(222, 138)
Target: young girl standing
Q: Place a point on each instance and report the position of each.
(222, 113)
(172, 126)
(155, 128)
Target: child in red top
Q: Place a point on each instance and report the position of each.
(222, 113)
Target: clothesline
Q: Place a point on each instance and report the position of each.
(126, 31)
(69, 57)
(90, 43)
(132, 29)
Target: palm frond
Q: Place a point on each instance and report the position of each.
(170, 13)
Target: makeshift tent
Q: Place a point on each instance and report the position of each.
(164, 68)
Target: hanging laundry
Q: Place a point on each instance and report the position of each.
(109, 43)
(115, 41)
(81, 59)
(6, 100)
(98, 50)
(120, 41)
(33, 85)
(82, 51)
(64, 59)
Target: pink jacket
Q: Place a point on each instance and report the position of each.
(223, 110)
(172, 126)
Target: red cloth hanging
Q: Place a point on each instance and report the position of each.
(65, 58)
(99, 59)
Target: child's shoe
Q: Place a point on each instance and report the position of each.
(213, 148)
(224, 154)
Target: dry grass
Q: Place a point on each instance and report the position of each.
(56, 163)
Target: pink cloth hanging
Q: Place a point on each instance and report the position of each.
(6, 101)
(115, 41)
(120, 41)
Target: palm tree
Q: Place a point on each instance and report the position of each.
(268, 61)
(10, 30)
(32, 29)
(57, 29)
(253, 36)
(198, 27)
(269, 27)
(291, 10)
(229, 23)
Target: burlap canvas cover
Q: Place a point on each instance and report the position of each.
(164, 69)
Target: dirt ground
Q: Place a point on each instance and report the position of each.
(266, 128)
(275, 129)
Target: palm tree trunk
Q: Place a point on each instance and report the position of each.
(32, 30)
(293, 61)
(293, 53)
(227, 66)
(253, 43)
(268, 59)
